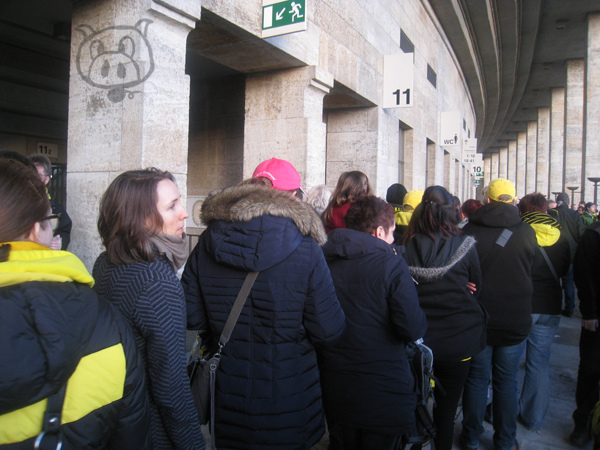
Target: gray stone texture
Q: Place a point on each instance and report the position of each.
(574, 125)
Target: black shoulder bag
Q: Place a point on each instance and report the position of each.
(203, 367)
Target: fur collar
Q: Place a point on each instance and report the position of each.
(428, 275)
(243, 203)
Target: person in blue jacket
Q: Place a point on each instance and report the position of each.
(368, 387)
(268, 394)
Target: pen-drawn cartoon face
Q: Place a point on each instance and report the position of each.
(115, 58)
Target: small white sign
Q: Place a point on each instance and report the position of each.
(477, 166)
(469, 150)
(47, 149)
(450, 128)
(398, 80)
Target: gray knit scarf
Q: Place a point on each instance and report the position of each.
(173, 247)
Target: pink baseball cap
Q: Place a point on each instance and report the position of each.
(281, 173)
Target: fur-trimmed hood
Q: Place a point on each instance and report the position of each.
(253, 227)
(242, 203)
(430, 260)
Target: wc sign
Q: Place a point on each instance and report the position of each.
(283, 17)
(450, 128)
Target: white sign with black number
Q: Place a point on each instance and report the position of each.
(398, 80)
(47, 149)
(477, 166)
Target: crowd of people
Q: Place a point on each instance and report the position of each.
(346, 281)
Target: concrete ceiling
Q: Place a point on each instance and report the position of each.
(513, 53)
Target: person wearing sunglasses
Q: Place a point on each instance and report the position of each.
(62, 226)
(65, 351)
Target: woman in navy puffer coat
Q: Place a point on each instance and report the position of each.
(368, 386)
(268, 391)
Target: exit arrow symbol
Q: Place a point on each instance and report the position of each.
(279, 15)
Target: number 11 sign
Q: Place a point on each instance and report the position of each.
(398, 80)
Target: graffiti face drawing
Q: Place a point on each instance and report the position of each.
(115, 58)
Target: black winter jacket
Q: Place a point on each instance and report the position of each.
(52, 333)
(367, 382)
(586, 272)
(506, 287)
(547, 291)
(64, 224)
(456, 319)
(571, 223)
(268, 390)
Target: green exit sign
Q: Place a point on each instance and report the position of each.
(283, 17)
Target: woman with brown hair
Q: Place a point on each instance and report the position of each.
(350, 186)
(446, 267)
(368, 387)
(65, 351)
(141, 225)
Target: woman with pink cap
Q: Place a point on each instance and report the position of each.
(268, 393)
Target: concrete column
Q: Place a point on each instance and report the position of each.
(495, 166)
(466, 185)
(448, 171)
(415, 160)
(128, 101)
(431, 163)
(388, 153)
(409, 151)
(487, 169)
(284, 119)
(503, 163)
(521, 163)
(512, 161)
(574, 125)
(591, 165)
(557, 140)
(458, 178)
(530, 168)
(543, 151)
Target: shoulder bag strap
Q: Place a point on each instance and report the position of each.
(499, 244)
(51, 423)
(550, 265)
(237, 309)
(223, 339)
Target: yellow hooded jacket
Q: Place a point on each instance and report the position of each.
(55, 331)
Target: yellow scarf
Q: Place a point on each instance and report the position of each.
(28, 261)
(403, 217)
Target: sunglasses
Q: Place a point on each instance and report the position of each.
(54, 220)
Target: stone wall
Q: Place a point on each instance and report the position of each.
(349, 41)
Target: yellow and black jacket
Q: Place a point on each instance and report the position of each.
(547, 290)
(54, 329)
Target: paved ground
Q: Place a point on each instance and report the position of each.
(558, 424)
(563, 377)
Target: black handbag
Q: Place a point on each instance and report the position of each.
(203, 364)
